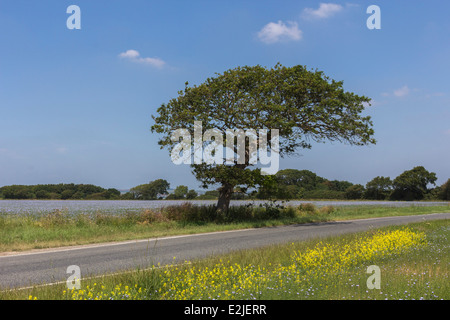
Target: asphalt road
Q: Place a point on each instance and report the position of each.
(49, 266)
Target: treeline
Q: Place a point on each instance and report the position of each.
(414, 184)
(292, 184)
(288, 184)
(59, 191)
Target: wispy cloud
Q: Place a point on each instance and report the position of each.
(401, 92)
(435, 94)
(135, 56)
(325, 10)
(276, 32)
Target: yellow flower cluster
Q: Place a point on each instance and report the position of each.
(333, 258)
(246, 282)
(220, 282)
(236, 281)
(100, 293)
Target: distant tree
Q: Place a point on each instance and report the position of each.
(191, 194)
(78, 195)
(354, 192)
(66, 194)
(301, 178)
(113, 193)
(17, 192)
(209, 195)
(412, 184)
(338, 185)
(444, 193)
(180, 192)
(379, 188)
(42, 194)
(150, 190)
(127, 196)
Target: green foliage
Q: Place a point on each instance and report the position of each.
(57, 191)
(302, 184)
(379, 188)
(150, 191)
(444, 193)
(301, 178)
(180, 192)
(191, 194)
(209, 195)
(354, 192)
(412, 184)
(337, 185)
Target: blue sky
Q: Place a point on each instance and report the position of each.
(76, 105)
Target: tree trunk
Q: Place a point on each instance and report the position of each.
(225, 193)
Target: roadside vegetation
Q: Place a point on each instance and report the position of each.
(413, 261)
(25, 231)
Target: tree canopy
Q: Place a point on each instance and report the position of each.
(303, 105)
(412, 184)
(62, 191)
(151, 190)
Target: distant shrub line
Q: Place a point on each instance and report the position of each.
(288, 184)
(59, 191)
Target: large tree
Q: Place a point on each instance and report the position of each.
(412, 184)
(303, 105)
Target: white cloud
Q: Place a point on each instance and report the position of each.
(275, 32)
(325, 10)
(135, 56)
(400, 92)
(403, 91)
(131, 54)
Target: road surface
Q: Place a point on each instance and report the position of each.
(50, 265)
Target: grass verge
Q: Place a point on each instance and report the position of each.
(19, 232)
(413, 260)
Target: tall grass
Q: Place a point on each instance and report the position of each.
(62, 227)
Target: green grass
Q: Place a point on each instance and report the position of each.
(419, 271)
(20, 232)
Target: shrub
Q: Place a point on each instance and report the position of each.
(56, 217)
(307, 208)
(327, 209)
(151, 216)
